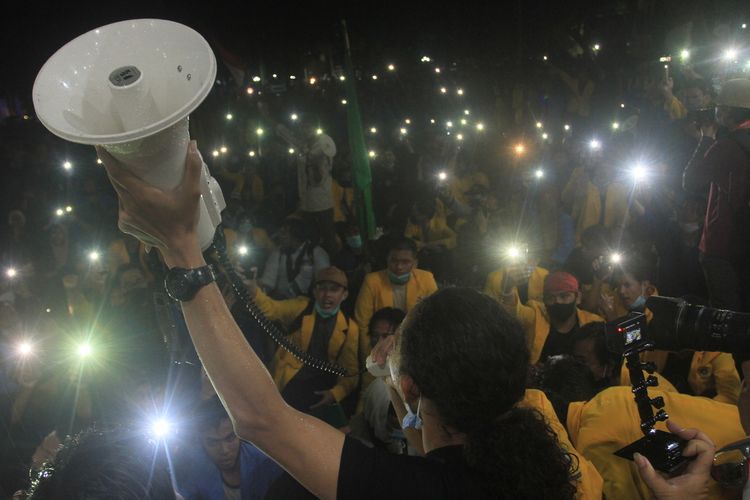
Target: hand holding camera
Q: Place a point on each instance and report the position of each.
(693, 482)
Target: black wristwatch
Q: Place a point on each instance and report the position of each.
(182, 284)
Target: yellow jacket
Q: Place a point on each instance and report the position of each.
(610, 421)
(663, 384)
(587, 208)
(533, 317)
(437, 232)
(377, 293)
(343, 202)
(675, 109)
(493, 286)
(588, 481)
(342, 347)
(709, 371)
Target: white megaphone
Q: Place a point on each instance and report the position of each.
(130, 87)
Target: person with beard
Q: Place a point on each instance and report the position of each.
(551, 324)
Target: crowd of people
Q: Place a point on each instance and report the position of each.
(563, 220)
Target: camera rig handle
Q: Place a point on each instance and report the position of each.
(640, 387)
(663, 449)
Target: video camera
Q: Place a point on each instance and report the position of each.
(676, 325)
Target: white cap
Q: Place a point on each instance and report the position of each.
(324, 144)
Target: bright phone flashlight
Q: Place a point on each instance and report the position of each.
(514, 252)
(84, 350)
(639, 173)
(25, 348)
(161, 428)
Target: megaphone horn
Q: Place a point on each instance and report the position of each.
(130, 87)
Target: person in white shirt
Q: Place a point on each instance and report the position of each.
(314, 181)
(290, 269)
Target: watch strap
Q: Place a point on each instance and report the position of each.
(192, 280)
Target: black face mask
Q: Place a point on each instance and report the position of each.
(561, 312)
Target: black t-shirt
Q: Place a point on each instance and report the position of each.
(558, 343)
(372, 473)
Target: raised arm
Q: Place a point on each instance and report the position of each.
(306, 447)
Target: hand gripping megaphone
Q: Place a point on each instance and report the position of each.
(130, 86)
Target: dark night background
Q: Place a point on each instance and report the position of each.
(283, 35)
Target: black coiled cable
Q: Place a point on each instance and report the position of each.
(219, 246)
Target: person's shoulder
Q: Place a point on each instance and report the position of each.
(613, 393)
(376, 276)
(588, 316)
(537, 306)
(727, 145)
(534, 398)
(257, 457)
(421, 273)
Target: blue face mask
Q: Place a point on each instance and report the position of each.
(638, 305)
(412, 420)
(399, 280)
(354, 241)
(326, 314)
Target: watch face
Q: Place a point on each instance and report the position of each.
(177, 285)
(183, 284)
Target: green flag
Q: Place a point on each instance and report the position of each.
(360, 158)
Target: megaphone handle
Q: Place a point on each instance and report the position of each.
(209, 197)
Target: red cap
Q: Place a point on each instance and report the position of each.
(560, 281)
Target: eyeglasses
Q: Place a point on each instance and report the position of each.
(730, 467)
